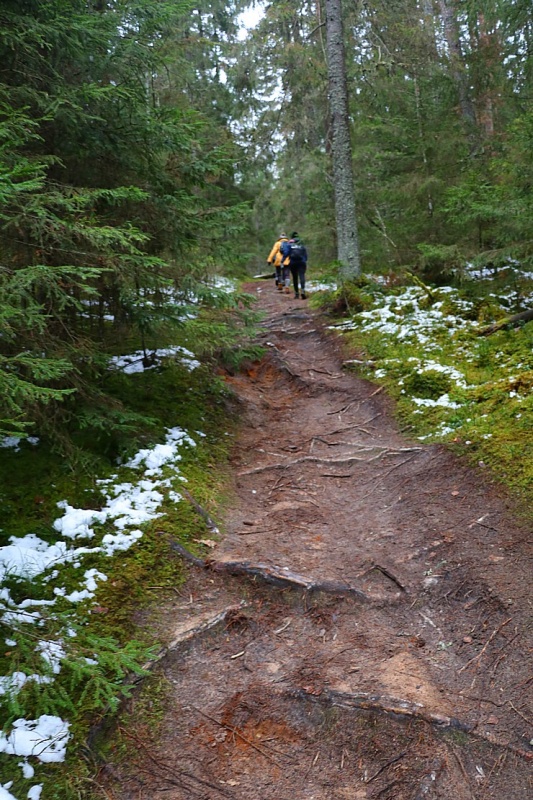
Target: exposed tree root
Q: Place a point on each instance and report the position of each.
(188, 634)
(382, 451)
(201, 511)
(283, 578)
(403, 708)
(187, 555)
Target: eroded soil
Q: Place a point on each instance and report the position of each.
(363, 629)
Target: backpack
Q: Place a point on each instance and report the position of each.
(297, 253)
(285, 248)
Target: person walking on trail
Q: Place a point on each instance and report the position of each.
(296, 255)
(276, 259)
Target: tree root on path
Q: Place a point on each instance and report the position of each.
(189, 634)
(383, 451)
(402, 708)
(201, 511)
(283, 578)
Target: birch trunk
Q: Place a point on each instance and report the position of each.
(345, 216)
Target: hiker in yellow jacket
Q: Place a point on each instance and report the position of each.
(280, 264)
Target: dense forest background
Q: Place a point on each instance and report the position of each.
(147, 145)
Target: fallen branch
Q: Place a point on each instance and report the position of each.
(384, 571)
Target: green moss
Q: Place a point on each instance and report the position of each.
(428, 384)
(140, 579)
(492, 422)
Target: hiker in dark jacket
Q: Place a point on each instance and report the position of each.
(297, 255)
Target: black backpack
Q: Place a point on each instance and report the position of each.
(297, 253)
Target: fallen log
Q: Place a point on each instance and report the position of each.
(514, 320)
(265, 276)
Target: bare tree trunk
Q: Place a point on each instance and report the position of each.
(451, 33)
(347, 238)
(490, 51)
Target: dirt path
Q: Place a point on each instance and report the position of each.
(364, 629)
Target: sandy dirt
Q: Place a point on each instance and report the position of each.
(364, 628)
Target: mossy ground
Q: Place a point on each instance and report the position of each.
(35, 479)
(489, 415)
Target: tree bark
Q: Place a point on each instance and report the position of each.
(345, 215)
(458, 70)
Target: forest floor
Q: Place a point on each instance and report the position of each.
(364, 627)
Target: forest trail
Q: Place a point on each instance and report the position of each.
(363, 629)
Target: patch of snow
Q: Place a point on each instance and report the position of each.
(45, 738)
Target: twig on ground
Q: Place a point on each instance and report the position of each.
(384, 767)
(461, 766)
(168, 769)
(384, 571)
(529, 722)
(489, 640)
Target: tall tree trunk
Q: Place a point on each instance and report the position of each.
(346, 221)
(489, 51)
(451, 33)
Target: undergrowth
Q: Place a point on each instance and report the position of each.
(451, 384)
(96, 646)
